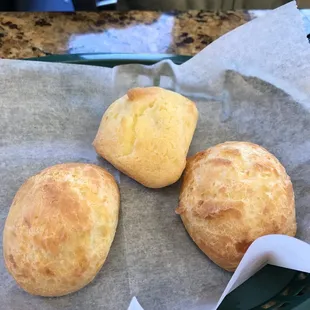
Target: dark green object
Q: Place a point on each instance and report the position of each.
(112, 60)
(272, 287)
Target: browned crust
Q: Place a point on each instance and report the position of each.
(60, 228)
(212, 207)
(232, 194)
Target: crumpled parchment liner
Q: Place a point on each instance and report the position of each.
(252, 84)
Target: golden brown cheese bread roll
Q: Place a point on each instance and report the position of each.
(146, 134)
(60, 227)
(232, 194)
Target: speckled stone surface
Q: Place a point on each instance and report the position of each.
(25, 35)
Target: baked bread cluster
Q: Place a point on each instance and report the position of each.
(232, 194)
(62, 221)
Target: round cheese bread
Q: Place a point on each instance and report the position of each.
(146, 134)
(232, 194)
(60, 228)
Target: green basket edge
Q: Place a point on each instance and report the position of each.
(111, 59)
(114, 59)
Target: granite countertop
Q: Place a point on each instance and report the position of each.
(25, 35)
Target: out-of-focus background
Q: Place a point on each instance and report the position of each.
(34, 28)
(163, 5)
